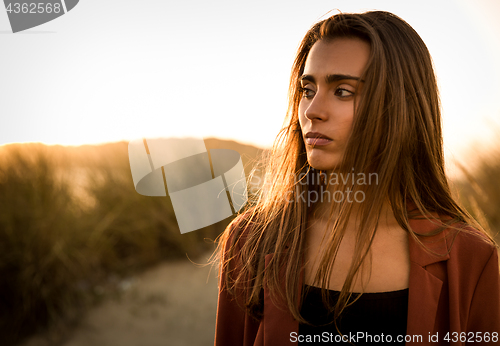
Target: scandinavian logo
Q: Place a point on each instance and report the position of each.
(26, 14)
(205, 187)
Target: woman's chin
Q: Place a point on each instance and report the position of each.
(322, 165)
(323, 162)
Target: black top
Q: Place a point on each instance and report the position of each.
(374, 319)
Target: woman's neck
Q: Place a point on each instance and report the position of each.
(322, 212)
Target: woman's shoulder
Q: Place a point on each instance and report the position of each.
(454, 237)
(238, 230)
(467, 244)
(451, 244)
(461, 255)
(240, 224)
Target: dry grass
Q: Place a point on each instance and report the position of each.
(479, 190)
(70, 218)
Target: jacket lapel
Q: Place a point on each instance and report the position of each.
(424, 288)
(278, 321)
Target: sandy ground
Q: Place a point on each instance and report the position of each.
(173, 304)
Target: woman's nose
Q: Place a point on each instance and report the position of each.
(317, 109)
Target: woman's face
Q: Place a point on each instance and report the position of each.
(331, 79)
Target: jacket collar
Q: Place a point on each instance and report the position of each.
(424, 287)
(435, 243)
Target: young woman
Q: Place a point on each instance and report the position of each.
(355, 237)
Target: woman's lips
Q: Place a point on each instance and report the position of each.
(315, 142)
(317, 139)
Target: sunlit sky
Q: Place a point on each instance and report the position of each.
(120, 69)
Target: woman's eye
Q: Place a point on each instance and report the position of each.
(307, 93)
(341, 92)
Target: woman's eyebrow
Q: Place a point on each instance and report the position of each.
(330, 78)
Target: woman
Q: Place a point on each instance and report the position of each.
(355, 236)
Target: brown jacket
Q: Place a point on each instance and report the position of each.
(459, 292)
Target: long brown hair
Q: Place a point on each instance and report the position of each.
(396, 133)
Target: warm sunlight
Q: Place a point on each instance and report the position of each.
(124, 77)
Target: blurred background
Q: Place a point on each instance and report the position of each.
(84, 259)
